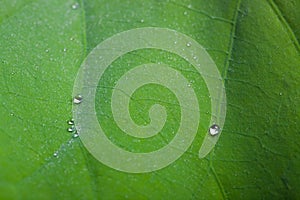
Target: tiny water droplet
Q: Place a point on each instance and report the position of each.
(75, 6)
(142, 20)
(185, 13)
(65, 49)
(71, 38)
(189, 6)
(71, 129)
(76, 135)
(175, 42)
(280, 93)
(55, 154)
(214, 130)
(47, 50)
(71, 122)
(189, 84)
(195, 57)
(77, 99)
(188, 44)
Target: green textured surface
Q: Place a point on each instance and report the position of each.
(254, 43)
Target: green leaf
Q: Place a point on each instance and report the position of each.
(255, 45)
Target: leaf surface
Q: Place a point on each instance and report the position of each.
(255, 45)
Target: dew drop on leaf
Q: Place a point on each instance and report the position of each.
(55, 154)
(214, 130)
(75, 135)
(71, 122)
(71, 129)
(75, 6)
(77, 99)
(188, 44)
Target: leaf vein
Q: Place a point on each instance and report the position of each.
(285, 24)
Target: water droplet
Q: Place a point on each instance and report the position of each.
(65, 49)
(77, 99)
(142, 20)
(47, 50)
(75, 6)
(195, 57)
(189, 84)
(175, 42)
(188, 44)
(55, 154)
(185, 13)
(71, 38)
(71, 122)
(71, 129)
(214, 130)
(280, 93)
(76, 135)
(189, 6)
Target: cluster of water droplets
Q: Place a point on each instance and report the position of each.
(76, 100)
(72, 129)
